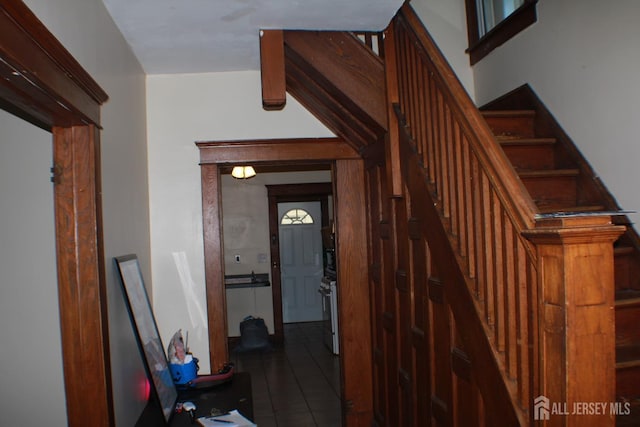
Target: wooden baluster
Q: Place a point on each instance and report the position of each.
(431, 152)
(468, 207)
(478, 228)
(449, 174)
(422, 102)
(487, 249)
(499, 264)
(509, 288)
(411, 78)
(460, 180)
(528, 321)
(442, 154)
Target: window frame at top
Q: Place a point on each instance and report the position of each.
(298, 222)
(481, 46)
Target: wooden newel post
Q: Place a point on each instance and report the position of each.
(576, 321)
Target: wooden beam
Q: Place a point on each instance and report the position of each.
(274, 95)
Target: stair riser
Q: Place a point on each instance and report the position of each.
(530, 157)
(627, 327)
(512, 126)
(627, 272)
(552, 190)
(627, 381)
(622, 269)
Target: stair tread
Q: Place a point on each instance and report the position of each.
(511, 140)
(558, 209)
(626, 297)
(508, 113)
(623, 250)
(628, 356)
(542, 173)
(631, 419)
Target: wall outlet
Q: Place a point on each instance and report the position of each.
(236, 258)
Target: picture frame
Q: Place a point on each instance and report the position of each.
(146, 331)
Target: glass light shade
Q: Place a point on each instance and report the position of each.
(243, 172)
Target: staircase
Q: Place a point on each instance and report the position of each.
(560, 182)
(472, 320)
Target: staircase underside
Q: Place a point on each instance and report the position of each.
(338, 79)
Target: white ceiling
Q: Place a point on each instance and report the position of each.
(195, 36)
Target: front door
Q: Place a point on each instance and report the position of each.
(301, 265)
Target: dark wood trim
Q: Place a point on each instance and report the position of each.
(41, 79)
(274, 88)
(481, 46)
(81, 290)
(292, 192)
(354, 300)
(300, 150)
(214, 271)
(41, 82)
(289, 193)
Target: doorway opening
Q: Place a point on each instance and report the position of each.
(348, 181)
(287, 244)
(292, 195)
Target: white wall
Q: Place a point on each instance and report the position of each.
(30, 350)
(182, 109)
(85, 28)
(582, 60)
(446, 21)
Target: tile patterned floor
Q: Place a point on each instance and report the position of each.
(297, 384)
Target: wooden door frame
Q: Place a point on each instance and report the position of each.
(316, 192)
(41, 82)
(350, 207)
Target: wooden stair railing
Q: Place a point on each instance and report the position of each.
(541, 289)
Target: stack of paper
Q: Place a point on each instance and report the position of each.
(232, 419)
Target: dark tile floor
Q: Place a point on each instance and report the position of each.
(297, 384)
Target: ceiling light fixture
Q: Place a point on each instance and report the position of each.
(243, 172)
